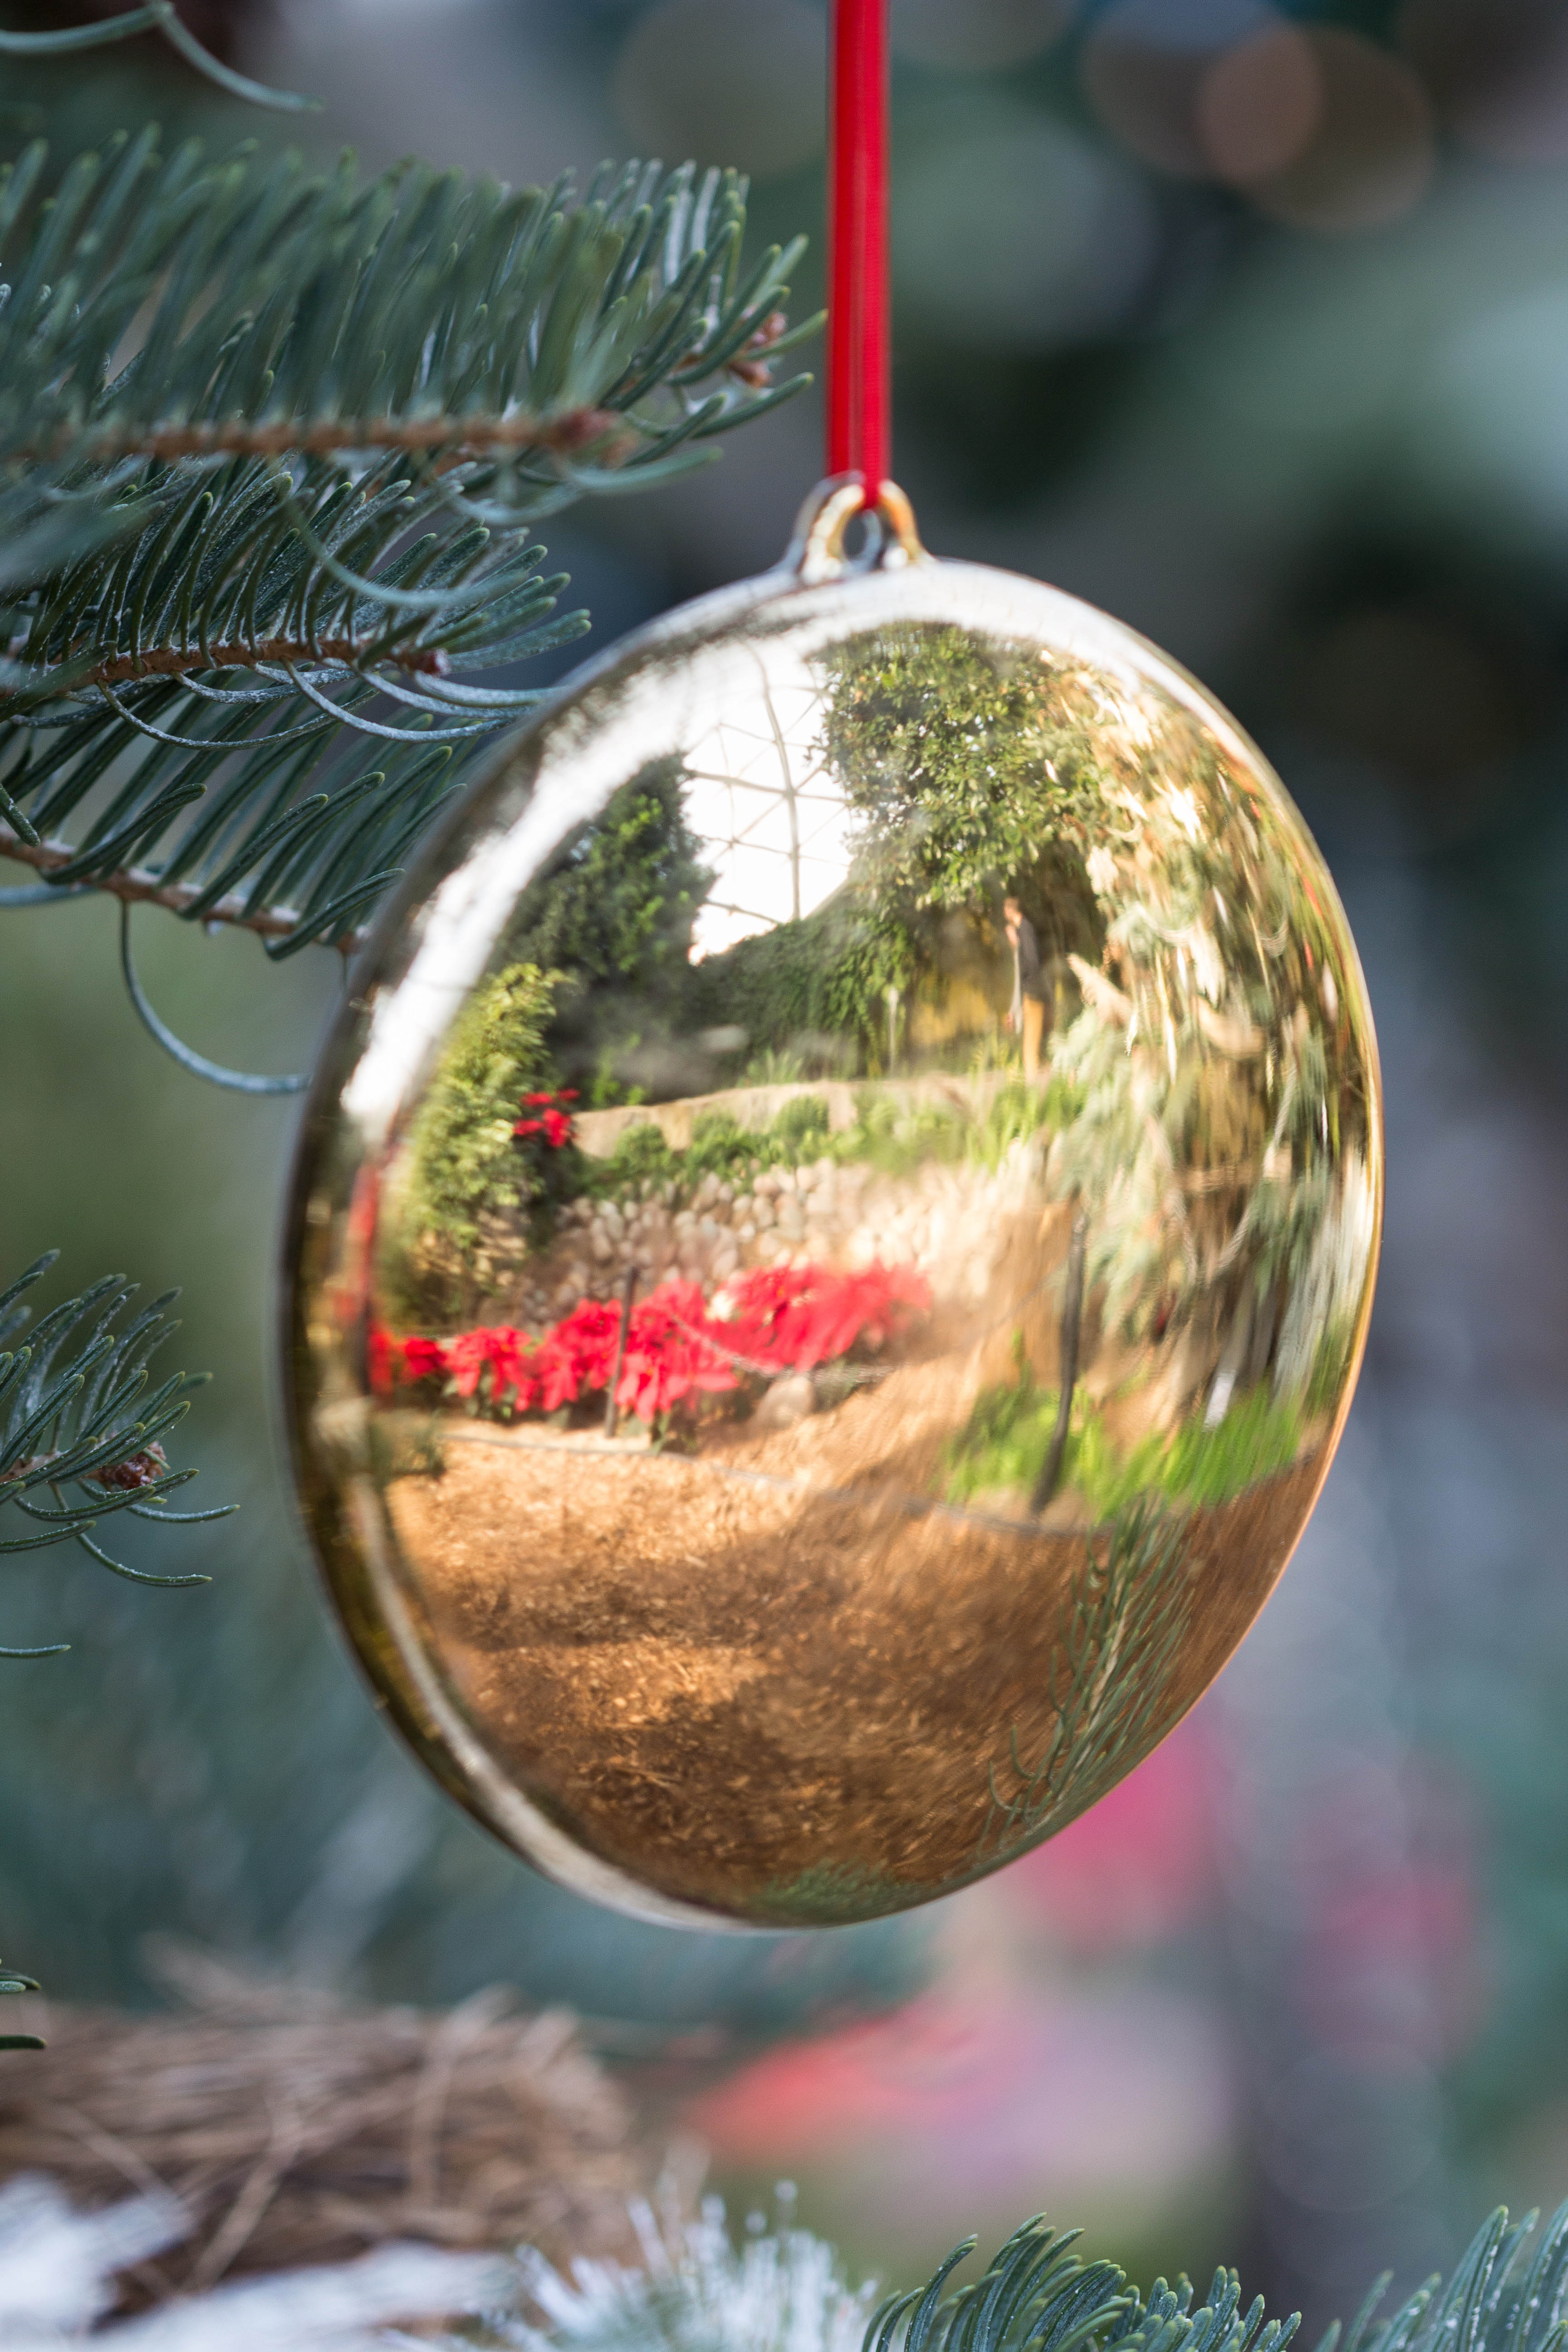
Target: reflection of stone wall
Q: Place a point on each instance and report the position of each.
(952, 1224)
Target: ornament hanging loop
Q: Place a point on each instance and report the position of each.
(815, 553)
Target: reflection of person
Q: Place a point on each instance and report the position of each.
(1028, 1011)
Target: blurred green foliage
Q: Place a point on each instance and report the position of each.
(461, 1155)
(1005, 1442)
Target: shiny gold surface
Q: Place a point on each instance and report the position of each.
(798, 1597)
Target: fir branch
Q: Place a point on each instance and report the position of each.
(571, 433)
(276, 313)
(782, 2290)
(787, 2292)
(271, 449)
(183, 661)
(138, 887)
(80, 1437)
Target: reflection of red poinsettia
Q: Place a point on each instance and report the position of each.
(794, 1318)
(381, 1361)
(422, 1358)
(554, 1121)
(772, 1320)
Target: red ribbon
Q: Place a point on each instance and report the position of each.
(858, 358)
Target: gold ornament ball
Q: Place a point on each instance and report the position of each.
(832, 1241)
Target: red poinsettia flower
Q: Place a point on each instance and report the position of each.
(423, 1359)
(503, 1352)
(579, 1355)
(775, 1320)
(669, 1353)
(557, 1128)
(379, 1360)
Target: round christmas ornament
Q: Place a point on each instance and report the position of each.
(833, 1240)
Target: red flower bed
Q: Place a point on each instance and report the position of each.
(775, 1320)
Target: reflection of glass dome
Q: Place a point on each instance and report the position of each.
(835, 1242)
(769, 812)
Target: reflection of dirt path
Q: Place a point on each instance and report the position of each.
(725, 1683)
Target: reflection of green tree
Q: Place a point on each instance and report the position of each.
(613, 915)
(1118, 1645)
(1224, 1083)
(461, 1160)
(965, 761)
(969, 768)
(798, 987)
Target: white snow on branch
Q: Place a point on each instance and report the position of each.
(58, 2268)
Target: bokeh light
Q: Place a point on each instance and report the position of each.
(1261, 105)
(1371, 151)
(976, 36)
(727, 82)
(1321, 127)
(1499, 69)
(1144, 63)
(1019, 232)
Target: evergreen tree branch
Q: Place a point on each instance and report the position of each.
(784, 2292)
(568, 435)
(80, 1436)
(272, 447)
(136, 887)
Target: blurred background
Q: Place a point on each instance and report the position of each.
(1250, 323)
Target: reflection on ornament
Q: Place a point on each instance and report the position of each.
(833, 1241)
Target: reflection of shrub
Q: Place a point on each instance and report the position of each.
(901, 1137)
(1004, 1442)
(544, 1139)
(641, 1160)
(1017, 1114)
(721, 1147)
(462, 1157)
(1256, 1438)
(810, 990)
(613, 915)
(804, 1127)
(777, 1066)
(1330, 1366)
(897, 1137)
(679, 1352)
(1008, 1437)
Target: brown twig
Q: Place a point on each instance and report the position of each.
(138, 888)
(183, 661)
(456, 436)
